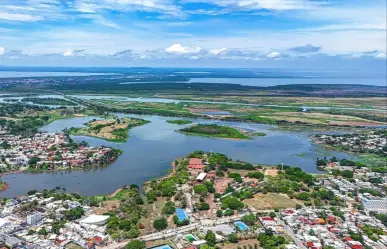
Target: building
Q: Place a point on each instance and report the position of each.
(95, 220)
(33, 219)
(201, 177)
(374, 204)
(195, 163)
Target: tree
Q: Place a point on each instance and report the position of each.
(136, 244)
(169, 208)
(160, 224)
(210, 238)
(201, 189)
(249, 219)
(43, 231)
(219, 213)
(74, 213)
(233, 238)
(298, 206)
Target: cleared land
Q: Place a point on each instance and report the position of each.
(270, 201)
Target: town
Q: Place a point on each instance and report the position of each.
(208, 201)
(49, 151)
(371, 142)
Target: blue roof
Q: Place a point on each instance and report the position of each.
(162, 247)
(181, 214)
(241, 225)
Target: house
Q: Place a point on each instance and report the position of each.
(195, 163)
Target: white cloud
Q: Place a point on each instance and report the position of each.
(68, 53)
(71, 52)
(19, 17)
(273, 55)
(217, 51)
(263, 4)
(179, 49)
(380, 56)
(2, 51)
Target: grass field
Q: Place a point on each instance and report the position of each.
(270, 201)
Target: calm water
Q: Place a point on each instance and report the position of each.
(377, 81)
(151, 148)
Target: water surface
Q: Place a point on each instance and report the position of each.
(151, 148)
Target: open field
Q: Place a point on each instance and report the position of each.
(241, 244)
(153, 211)
(270, 201)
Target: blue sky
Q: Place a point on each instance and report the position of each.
(241, 33)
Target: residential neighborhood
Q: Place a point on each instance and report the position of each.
(207, 201)
(49, 151)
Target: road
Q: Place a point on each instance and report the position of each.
(290, 232)
(174, 231)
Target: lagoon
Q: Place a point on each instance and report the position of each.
(151, 148)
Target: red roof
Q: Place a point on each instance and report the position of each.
(309, 244)
(348, 238)
(268, 218)
(195, 163)
(357, 247)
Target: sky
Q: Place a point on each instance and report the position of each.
(194, 33)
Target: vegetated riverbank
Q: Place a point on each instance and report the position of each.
(114, 130)
(179, 121)
(49, 101)
(217, 131)
(3, 186)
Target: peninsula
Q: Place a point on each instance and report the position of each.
(115, 130)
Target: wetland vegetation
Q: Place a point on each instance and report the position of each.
(213, 130)
(49, 101)
(179, 121)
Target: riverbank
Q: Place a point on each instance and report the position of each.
(3, 186)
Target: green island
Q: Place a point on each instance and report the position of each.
(179, 121)
(115, 130)
(49, 101)
(218, 131)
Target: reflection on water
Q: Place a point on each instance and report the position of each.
(151, 148)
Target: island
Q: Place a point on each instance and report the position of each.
(115, 130)
(219, 131)
(179, 121)
(49, 101)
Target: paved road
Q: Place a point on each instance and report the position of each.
(174, 231)
(292, 235)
